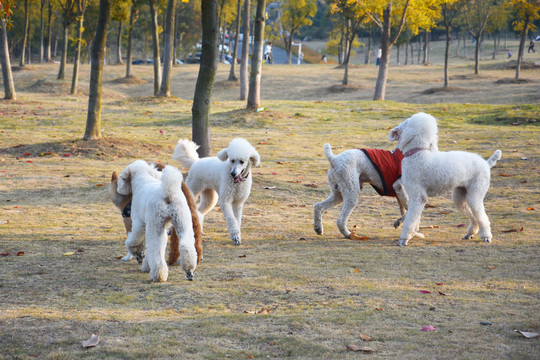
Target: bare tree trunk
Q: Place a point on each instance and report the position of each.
(93, 119)
(447, 54)
(205, 80)
(49, 34)
(254, 96)
(165, 89)
(245, 52)
(7, 77)
(380, 86)
(522, 46)
(61, 72)
(25, 33)
(477, 56)
(76, 61)
(426, 47)
(155, 43)
(119, 60)
(41, 31)
(233, 77)
(368, 52)
(494, 47)
(130, 42)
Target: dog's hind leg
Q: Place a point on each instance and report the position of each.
(208, 200)
(402, 199)
(476, 204)
(350, 200)
(319, 208)
(156, 243)
(459, 197)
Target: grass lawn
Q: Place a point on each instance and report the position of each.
(285, 292)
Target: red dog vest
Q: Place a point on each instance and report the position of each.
(388, 165)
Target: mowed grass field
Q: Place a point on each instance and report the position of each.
(285, 292)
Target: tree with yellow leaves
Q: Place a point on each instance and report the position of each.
(294, 15)
(526, 13)
(385, 14)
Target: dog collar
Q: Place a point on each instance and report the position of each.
(239, 178)
(412, 152)
(126, 212)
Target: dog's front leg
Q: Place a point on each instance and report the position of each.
(412, 219)
(232, 223)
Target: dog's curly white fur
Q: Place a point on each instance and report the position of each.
(428, 172)
(158, 200)
(226, 178)
(347, 173)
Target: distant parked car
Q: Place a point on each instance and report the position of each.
(193, 59)
(178, 62)
(142, 62)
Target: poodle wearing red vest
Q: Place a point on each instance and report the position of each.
(349, 171)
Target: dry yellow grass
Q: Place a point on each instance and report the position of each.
(319, 292)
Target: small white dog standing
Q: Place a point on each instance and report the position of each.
(226, 177)
(156, 203)
(428, 172)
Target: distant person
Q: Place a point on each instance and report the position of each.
(268, 58)
(379, 54)
(531, 47)
(509, 54)
(324, 59)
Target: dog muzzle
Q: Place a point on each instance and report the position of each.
(239, 178)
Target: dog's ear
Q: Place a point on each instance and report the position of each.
(124, 182)
(394, 134)
(223, 155)
(255, 159)
(114, 176)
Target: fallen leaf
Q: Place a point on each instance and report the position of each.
(505, 175)
(29, 161)
(69, 253)
(46, 153)
(460, 225)
(92, 341)
(283, 162)
(528, 335)
(98, 185)
(5, 254)
(424, 291)
(355, 270)
(312, 185)
(27, 154)
(429, 227)
(530, 208)
(67, 155)
(118, 257)
(263, 311)
(269, 187)
(274, 173)
(512, 230)
(429, 328)
(353, 236)
(491, 267)
(439, 284)
(365, 337)
(444, 212)
(242, 256)
(429, 206)
(20, 253)
(359, 348)
(326, 303)
(379, 309)
(486, 323)
(443, 294)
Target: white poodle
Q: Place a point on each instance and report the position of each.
(428, 172)
(156, 203)
(227, 177)
(349, 171)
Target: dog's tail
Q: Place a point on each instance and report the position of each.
(494, 158)
(329, 154)
(185, 153)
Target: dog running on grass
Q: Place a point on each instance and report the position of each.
(349, 171)
(226, 177)
(157, 202)
(123, 203)
(430, 172)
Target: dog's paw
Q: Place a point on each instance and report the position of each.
(486, 239)
(236, 239)
(127, 257)
(467, 237)
(402, 242)
(318, 230)
(139, 254)
(189, 275)
(398, 222)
